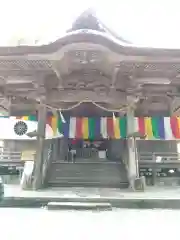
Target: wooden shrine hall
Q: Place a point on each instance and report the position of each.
(101, 90)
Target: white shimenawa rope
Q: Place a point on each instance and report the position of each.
(96, 104)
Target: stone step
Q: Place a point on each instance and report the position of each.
(87, 174)
(78, 206)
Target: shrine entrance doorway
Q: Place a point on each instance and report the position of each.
(87, 165)
(90, 158)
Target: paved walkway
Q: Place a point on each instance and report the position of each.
(93, 193)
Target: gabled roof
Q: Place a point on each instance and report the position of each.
(88, 20)
(88, 28)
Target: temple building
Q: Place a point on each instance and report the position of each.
(112, 107)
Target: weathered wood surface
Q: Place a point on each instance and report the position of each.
(90, 64)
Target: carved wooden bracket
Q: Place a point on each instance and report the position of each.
(175, 106)
(114, 76)
(56, 70)
(5, 105)
(132, 101)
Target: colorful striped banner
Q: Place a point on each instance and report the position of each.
(108, 127)
(26, 118)
(158, 127)
(91, 128)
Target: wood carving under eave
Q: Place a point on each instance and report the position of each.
(91, 79)
(114, 76)
(17, 109)
(132, 101)
(154, 103)
(85, 95)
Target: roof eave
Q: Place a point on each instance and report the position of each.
(90, 36)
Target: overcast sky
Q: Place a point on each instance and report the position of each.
(145, 22)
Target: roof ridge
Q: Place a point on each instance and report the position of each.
(94, 24)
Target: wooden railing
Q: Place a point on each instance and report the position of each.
(159, 159)
(155, 156)
(159, 165)
(7, 155)
(159, 156)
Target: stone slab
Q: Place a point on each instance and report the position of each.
(78, 206)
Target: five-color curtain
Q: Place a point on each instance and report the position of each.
(109, 127)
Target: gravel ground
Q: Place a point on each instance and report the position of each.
(117, 224)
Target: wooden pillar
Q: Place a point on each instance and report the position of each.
(37, 183)
(55, 154)
(132, 148)
(136, 182)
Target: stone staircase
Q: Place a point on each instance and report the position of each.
(87, 173)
